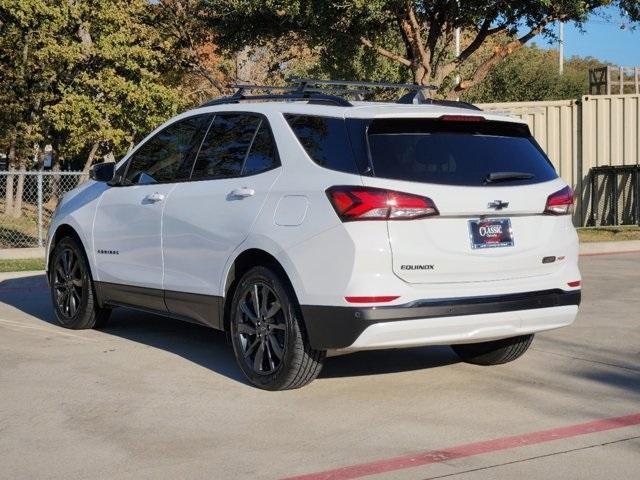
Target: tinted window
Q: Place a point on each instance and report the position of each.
(326, 141)
(225, 147)
(162, 158)
(455, 153)
(262, 156)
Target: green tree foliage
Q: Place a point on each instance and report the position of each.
(120, 88)
(80, 73)
(30, 62)
(89, 77)
(416, 36)
(532, 74)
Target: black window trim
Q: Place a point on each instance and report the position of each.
(141, 144)
(263, 119)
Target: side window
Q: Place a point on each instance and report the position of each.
(263, 155)
(225, 147)
(325, 140)
(162, 157)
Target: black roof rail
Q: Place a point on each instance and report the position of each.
(329, 91)
(292, 94)
(416, 93)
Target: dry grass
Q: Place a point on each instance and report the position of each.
(22, 231)
(608, 234)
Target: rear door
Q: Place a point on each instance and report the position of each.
(206, 218)
(489, 181)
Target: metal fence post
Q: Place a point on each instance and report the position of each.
(40, 236)
(614, 197)
(637, 189)
(594, 197)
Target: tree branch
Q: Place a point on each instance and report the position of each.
(417, 34)
(481, 36)
(501, 53)
(384, 52)
(483, 33)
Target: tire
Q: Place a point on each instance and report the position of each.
(72, 289)
(495, 352)
(268, 338)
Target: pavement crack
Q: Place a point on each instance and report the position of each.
(533, 458)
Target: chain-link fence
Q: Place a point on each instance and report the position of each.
(615, 195)
(27, 202)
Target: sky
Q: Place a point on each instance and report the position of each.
(603, 39)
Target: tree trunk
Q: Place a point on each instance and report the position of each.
(87, 164)
(17, 205)
(54, 180)
(244, 66)
(90, 158)
(11, 159)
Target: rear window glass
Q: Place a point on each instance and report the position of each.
(457, 153)
(325, 140)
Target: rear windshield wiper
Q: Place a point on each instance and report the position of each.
(506, 176)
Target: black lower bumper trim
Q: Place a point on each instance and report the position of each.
(332, 327)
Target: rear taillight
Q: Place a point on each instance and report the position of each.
(368, 203)
(560, 202)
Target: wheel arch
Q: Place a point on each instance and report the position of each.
(65, 230)
(243, 262)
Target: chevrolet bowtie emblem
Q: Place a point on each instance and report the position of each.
(498, 204)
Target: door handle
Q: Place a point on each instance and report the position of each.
(153, 198)
(243, 192)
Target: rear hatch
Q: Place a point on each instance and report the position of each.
(490, 183)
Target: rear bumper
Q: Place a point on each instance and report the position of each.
(431, 322)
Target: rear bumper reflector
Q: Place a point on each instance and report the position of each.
(378, 299)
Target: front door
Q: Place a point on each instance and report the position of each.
(127, 228)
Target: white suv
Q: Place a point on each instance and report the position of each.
(303, 223)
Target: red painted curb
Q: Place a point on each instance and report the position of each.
(471, 449)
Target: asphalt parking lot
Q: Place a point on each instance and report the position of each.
(150, 397)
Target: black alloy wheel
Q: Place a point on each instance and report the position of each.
(267, 332)
(261, 328)
(72, 289)
(68, 282)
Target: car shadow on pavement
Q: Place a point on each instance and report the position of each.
(207, 347)
(376, 362)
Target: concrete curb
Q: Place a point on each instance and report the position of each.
(604, 248)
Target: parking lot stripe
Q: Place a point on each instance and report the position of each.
(471, 449)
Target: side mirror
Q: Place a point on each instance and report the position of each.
(102, 172)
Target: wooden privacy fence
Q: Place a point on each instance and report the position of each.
(580, 134)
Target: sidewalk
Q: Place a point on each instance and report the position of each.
(21, 253)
